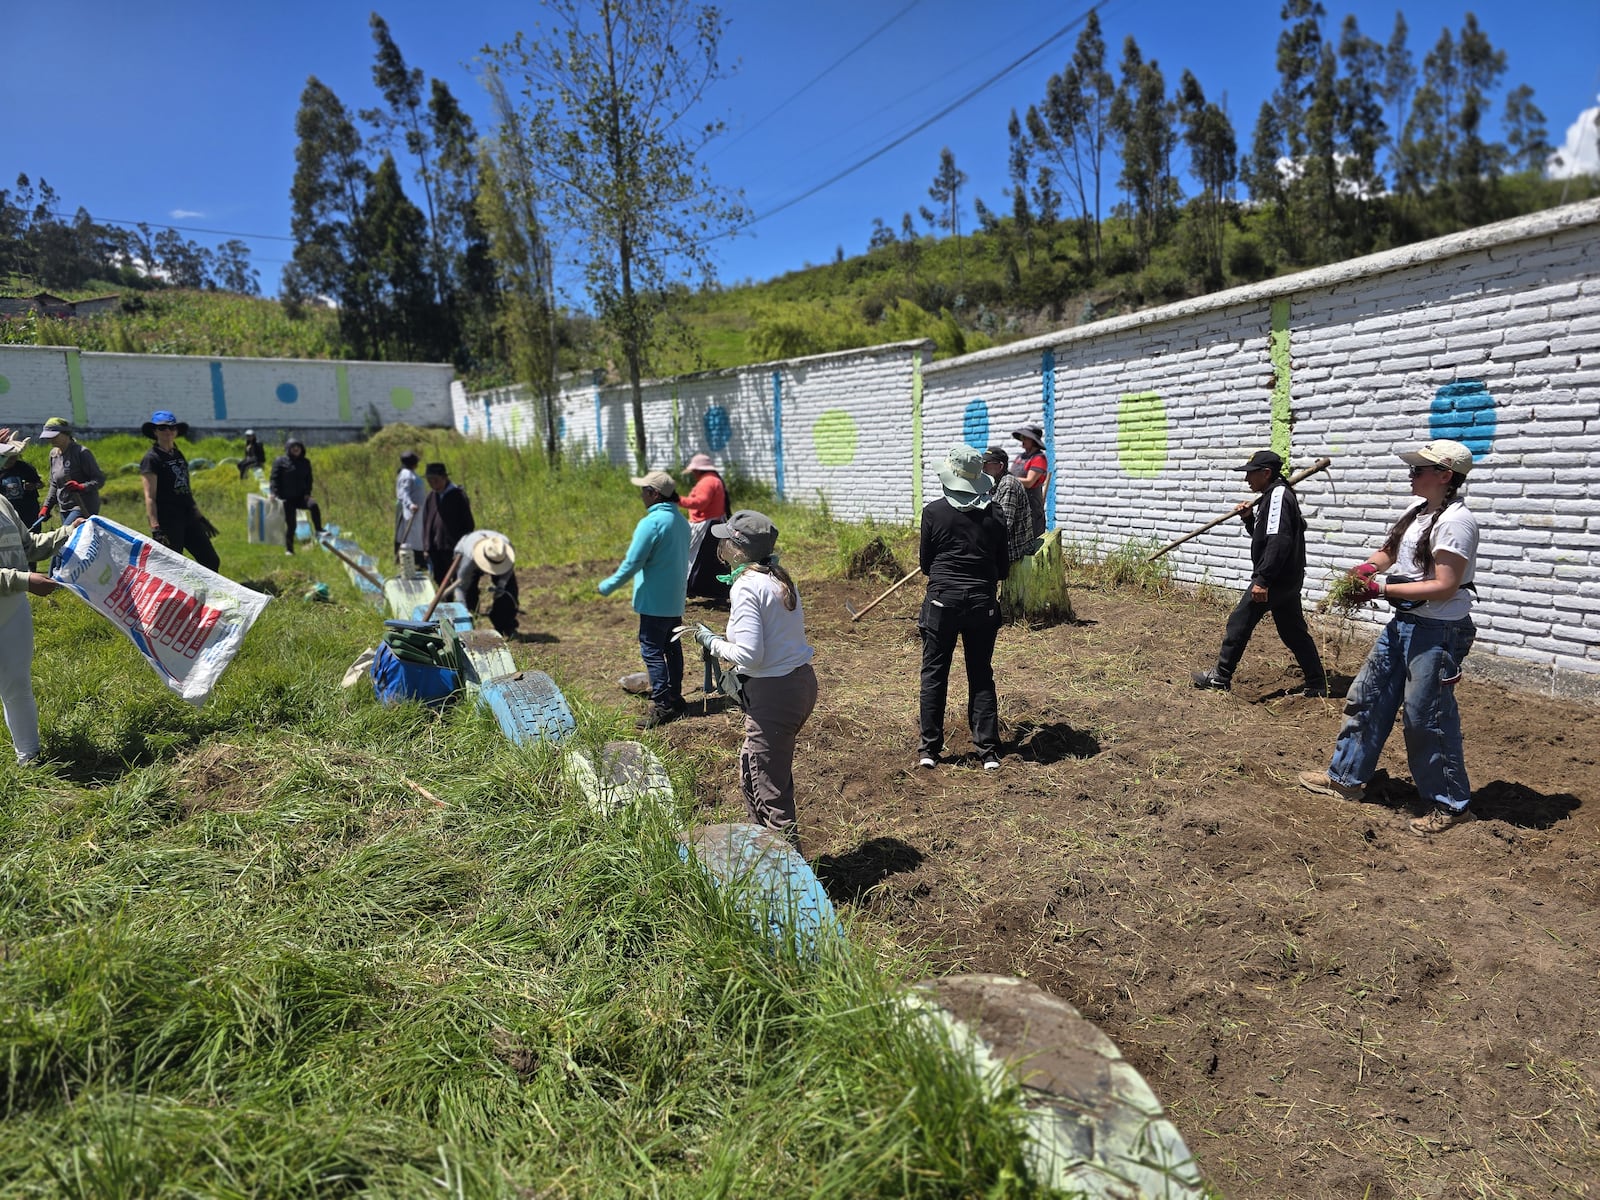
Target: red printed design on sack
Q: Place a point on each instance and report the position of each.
(164, 612)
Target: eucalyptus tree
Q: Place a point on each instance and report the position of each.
(613, 88)
(1527, 136)
(945, 191)
(1209, 136)
(1142, 117)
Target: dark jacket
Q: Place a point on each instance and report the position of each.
(291, 477)
(1277, 537)
(446, 519)
(255, 454)
(76, 464)
(963, 550)
(20, 483)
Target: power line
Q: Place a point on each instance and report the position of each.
(268, 237)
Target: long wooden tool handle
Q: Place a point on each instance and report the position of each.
(1322, 464)
(449, 578)
(909, 577)
(353, 565)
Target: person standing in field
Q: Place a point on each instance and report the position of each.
(706, 503)
(446, 519)
(766, 647)
(255, 454)
(175, 519)
(1032, 468)
(19, 548)
(1010, 500)
(409, 493)
(20, 484)
(658, 563)
(963, 554)
(291, 483)
(75, 476)
(1277, 573)
(1430, 557)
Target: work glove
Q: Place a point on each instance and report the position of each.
(1373, 585)
(161, 537)
(72, 485)
(1365, 571)
(44, 511)
(699, 633)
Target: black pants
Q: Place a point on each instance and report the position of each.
(290, 508)
(974, 617)
(503, 608)
(1283, 602)
(186, 533)
(439, 564)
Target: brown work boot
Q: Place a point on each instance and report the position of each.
(1437, 819)
(658, 714)
(1320, 783)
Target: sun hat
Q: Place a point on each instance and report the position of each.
(1441, 453)
(753, 532)
(410, 458)
(1263, 460)
(1034, 432)
(162, 417)
(249, 433)
(700, 462)
(53, 427)
(994, 454)
(436, 469)
(659, 480)
(494, 555)
(965, 484)
(11, 449)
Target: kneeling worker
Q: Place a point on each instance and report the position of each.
(485, 552)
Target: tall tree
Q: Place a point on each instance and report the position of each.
(1399, 82)
(1475, 164)
(1527, 137)
(1143, 119)
(396, 240)
(1208, 134)
(613, 87)
(1299, 56)
(945, 191)
(469, 271)
(1361, 134)
(1019, 164)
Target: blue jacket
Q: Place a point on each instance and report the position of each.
(657, 561)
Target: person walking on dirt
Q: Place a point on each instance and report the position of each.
(446, 519)
(766, 647)
(175, 519)
(1277, 573)
(1010, 500)
(75, 476)
(409, 493)
(1430, 557)
(290, 484)
(485, 553)
(707, 502)
(964, 556)
(19, 548)
(1032, 468)
(254, 456)
(658, 563)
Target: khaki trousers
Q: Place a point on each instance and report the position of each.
(774, 711)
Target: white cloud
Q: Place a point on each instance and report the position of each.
(183, 214)
(1580, 153)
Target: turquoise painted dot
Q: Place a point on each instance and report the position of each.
(5, 385)
(402, 398)
(287, 393)
(1464, 412)
(975, 424)
(719, 429)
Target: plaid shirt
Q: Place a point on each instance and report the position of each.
(1011, 499)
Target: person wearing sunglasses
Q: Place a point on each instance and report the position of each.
(1424, 569)
(175, 520)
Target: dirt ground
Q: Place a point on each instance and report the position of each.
(1329, 1005)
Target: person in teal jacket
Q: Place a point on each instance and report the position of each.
(658, 563)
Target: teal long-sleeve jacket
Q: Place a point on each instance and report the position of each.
(657, 561)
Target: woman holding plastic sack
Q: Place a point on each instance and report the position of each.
(706, 503)
(766, 648)
(175, 520)
(18, 548)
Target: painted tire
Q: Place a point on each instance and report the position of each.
(617, 775)
(529, 707)
(779, 892)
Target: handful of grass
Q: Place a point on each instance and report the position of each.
(1346, 595)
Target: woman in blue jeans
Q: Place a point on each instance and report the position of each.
(1424, 569)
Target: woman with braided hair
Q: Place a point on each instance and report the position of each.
(1424, 569)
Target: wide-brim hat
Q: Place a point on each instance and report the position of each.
(751, 531)
(494, 555)
(700, 462)
(1263, 460)
(659, 481)
(963, 478)
(1441, 453)
(436, 469)
(162, 417)
(54, 427)
(1032, 432)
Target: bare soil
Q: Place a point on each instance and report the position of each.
(1329, 1005)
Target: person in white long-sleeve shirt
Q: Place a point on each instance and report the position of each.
(766, 646)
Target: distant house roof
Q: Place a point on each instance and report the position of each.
(56, 306)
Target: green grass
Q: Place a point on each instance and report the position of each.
(245, 954)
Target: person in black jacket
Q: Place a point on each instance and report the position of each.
(1278, 571)
(290, 483)
(446, 519)
(964, 556)
(255, 454)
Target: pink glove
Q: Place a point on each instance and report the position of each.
(1365, 571)
(72, 485)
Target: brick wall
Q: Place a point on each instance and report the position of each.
(105, 393)
(1490, 337)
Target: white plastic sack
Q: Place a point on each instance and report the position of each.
(188, 622)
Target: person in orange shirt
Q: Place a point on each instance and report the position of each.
(707, 503)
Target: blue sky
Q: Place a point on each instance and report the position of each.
(149, 110)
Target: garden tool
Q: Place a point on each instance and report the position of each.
(857, 615)
(1322, 464)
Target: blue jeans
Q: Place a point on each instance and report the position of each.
(663, 659)
(1416, 662)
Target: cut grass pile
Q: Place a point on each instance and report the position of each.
(293, 942)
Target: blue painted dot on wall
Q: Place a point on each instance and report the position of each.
(1464, 412)
(975, 424)
(718, 428)
(287, 393)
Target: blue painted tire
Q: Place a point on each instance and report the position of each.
(785, 900)
(529, 707)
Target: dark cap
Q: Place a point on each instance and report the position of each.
(410, 458)
(1262, 460)
(436, 469)
(996, 455)
(751, 531)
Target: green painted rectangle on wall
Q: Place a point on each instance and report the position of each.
(916, 438)
(342, 375)
(80, 404)
(1278, 345)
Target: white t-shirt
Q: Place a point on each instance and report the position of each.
(1455, 530)
(764, 639)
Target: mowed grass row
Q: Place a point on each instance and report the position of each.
(295, 943)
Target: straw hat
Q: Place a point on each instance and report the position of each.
(494, 555)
